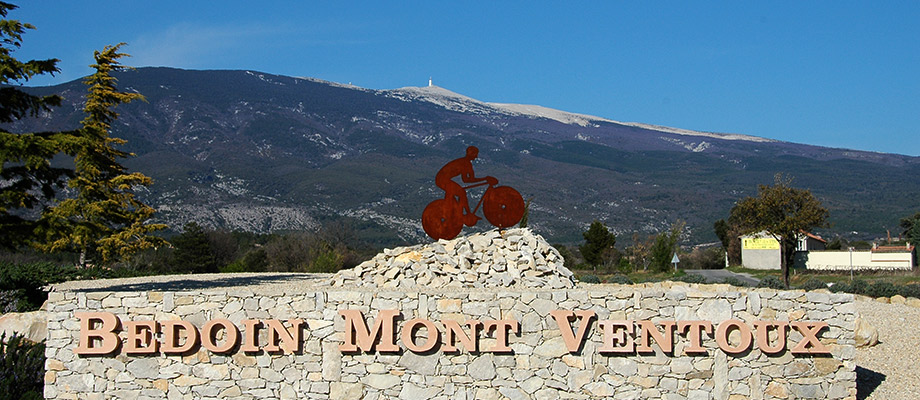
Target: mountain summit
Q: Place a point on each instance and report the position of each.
(261, 152)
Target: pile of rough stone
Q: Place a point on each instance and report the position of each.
(508, 258)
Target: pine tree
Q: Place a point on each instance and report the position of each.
(104, 218)
(911, 226)
(27, 179)
(598, 240)
(193, 251)
(664, 248)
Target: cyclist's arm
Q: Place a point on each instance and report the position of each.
(469, 178)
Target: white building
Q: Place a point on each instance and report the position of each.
(762, 251)
(888, 258)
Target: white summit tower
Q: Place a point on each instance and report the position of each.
(429, 82)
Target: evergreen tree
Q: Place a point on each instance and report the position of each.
(105, 218)
(664, 248)
(27, 179)
(193, 251)
(911, 226)
(721, 229)
(597, 241)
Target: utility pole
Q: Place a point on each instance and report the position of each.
(851, 263)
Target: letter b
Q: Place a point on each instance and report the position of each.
(105, 333)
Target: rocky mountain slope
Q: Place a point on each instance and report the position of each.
(261, 152)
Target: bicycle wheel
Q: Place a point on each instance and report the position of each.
(503, 206)
(442, 219)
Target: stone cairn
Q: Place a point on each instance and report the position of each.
(507, 258)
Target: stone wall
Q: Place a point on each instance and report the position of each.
(539, 366)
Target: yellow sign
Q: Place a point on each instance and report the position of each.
(759, 244)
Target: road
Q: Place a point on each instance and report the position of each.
(718, 275)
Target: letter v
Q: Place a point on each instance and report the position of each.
(568, 335)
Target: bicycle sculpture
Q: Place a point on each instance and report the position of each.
(444, 218)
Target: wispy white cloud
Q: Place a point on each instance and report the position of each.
(199, 46)
(196, 46)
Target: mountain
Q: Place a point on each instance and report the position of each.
(260, 152)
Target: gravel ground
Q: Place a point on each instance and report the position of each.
(891, 369)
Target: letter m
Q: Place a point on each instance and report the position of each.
(359, 338)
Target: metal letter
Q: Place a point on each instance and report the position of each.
(209, 335)
(617, 340)
(141, 337)
(289, 339)
(665, 340)
(763, 336)
(501, 333)
(359, 338)
(105, 333)
(562, 317)
(171, 330)
(470, 343)
(722, 333)
(408, 335)
(810, 343)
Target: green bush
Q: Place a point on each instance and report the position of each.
(772, 282)
(877, 289)
(734, 282)
(621, 279)
(254, 261)
(21, 284)
(589, 279)
(326, 261)
(692, 278)
(22, 368)
(882, 289)
(583, 267)
(840, 287)
(912, 290)
(14, 301)
(859, 286)
(813, 284)
(624, 267)
(25, 281)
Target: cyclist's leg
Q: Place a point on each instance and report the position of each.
(456, 193)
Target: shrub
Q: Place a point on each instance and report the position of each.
(326, 261)
(621, 279)
(254, 261)
(912, 290)
(27, 280)
(22, 284)
(813, 284)
(14, 301)
(22, 368)
(840, 287)
(589, 279)
(877, 289)
(692, 278)
(734, 282)
(772, 282)
(859, 286)
(882, 289)
(624, 267)
(583, 267)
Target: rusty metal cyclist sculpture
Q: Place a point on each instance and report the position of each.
(444, 218)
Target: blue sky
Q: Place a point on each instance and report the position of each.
(840, 74)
